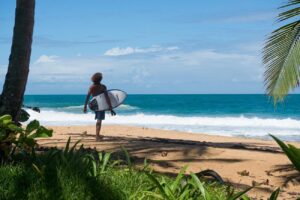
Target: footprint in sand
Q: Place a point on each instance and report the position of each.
(84, 133)
(164, 154)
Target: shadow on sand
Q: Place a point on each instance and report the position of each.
(157, 151)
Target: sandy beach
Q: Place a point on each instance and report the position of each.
(241, 161)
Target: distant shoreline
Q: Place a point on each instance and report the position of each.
(166, 94)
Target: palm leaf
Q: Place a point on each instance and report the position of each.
(275, 194)
(292, 152)
(293, 12)
(291, 3)
(239, 194)
(281, 55)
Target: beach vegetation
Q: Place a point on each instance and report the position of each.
(281, 53)
(24, 115)
(191, 187)
(16, 140)
(275, 194)
(78, 173)
(292, 152)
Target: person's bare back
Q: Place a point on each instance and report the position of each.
(97, 89)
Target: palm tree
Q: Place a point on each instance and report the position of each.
(18, 68)
(281, 54)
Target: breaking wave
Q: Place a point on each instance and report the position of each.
(230, 126)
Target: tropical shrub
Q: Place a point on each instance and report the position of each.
(190, 187)
(292, 152)
(15, 139)
(78, 173)
(55, 174)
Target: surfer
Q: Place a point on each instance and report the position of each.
(95, 89)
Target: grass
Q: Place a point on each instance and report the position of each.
(78, 174)
(22, 182)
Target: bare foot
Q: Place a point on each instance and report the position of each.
(99, 138)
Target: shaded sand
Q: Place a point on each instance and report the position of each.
(168, 151)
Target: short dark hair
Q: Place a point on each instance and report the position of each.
(97, 77)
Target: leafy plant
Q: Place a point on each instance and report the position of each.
(281, 54)
(127, 157)
(78, 173)
(17, 139)
(101, 163)
(7, 136)
(275, 194)
(187, 187)
(26, 137)
(56, 174)
(292, 152)
(24, 115)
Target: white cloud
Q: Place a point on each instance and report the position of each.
(79, 68)
(117, 51)
(208, 57)
(202, 70)
(139, 74)
(253, 17)
(255, 47)
(46, 59)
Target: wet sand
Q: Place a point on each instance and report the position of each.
(241, 162)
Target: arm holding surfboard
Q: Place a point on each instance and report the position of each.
(112, 112)
(86, 101)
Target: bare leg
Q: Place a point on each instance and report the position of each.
(98, 129)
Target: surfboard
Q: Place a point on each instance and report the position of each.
(98, 103)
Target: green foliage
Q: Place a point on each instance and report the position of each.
(291, 151)
(77, 173)
(24, 115)
(191, 187)
(127, 156)
(281, 55)
(275, 194)
(15, 139)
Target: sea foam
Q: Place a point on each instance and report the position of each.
(123, 107)
(230, 126)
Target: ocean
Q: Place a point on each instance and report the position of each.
(229, 115)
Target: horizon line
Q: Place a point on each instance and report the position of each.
(168, 94)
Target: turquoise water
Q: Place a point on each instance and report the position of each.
(242, 115)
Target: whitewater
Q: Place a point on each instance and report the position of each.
(217, 115)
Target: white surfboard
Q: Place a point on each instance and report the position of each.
(99, 103)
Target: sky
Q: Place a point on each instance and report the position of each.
(145, 47)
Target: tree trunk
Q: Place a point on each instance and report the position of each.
(16, 78)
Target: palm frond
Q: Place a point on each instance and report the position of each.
(290, 3)
(289, 14)
(281, 56)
